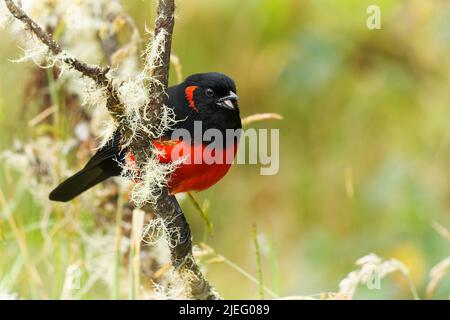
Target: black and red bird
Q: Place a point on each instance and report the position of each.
(209, 98)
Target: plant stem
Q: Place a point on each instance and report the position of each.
(258, 263)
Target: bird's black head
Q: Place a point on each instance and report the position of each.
(206, 97)
(209, 91)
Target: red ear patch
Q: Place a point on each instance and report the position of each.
(190, 96)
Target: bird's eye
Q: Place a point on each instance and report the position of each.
(209, 92)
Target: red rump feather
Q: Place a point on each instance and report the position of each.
(189, 176)
(190, 96)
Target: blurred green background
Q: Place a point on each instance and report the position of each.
(365, 140)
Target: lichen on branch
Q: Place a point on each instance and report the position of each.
(94, 72)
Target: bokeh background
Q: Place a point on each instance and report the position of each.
(364, 145)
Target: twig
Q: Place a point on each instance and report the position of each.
(178, 67)
(167, 206)
(203, 213)
(137, 223)
(437, 273)
(115, 291)
(218, 258)
(441, 230)
(260, 117)
(258, 263)
(94, 72)
(41, 116)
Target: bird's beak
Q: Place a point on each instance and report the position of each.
(228, 102)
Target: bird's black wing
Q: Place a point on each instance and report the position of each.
(112, 150)
(104, 164)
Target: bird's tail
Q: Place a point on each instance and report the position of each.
(78, 183)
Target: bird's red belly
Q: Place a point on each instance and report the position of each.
(190, 175)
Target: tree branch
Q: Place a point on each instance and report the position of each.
(94, 72)
(167, 206)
